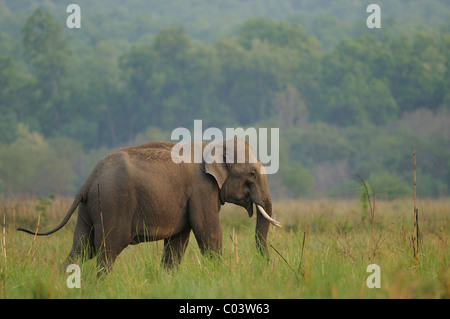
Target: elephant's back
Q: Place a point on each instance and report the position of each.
(148, 167)
(135, 171)
(154, 151)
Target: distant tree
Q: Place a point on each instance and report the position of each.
(355, 83)
(251, 77)
(32, 166)
(300, 52)
(277, 33)
(49, 54)
(142, 87)
(290, 107)
(388, 185)
(171, 45)
(8, 99)
(445, 48)
(97, 100)
(330, 30)
(158, 77)
(418, 73)
(319, 142)
(296, 178)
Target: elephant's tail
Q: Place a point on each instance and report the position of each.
(81, 196)
(72, 209)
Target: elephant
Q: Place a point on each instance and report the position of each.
(138, 194)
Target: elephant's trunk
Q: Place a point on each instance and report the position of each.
(263, 220)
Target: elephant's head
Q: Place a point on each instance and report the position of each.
(242, 180)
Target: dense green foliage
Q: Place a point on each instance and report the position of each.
(347, 99)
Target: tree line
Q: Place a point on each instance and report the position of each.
(359, 107)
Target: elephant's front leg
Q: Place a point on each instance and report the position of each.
(208, 233)
(174, 248)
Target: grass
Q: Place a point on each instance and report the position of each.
(322, 251)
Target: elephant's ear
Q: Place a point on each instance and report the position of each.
(215, 162)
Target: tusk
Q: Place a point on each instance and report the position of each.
(270, 219)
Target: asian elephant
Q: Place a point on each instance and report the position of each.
(138, 194)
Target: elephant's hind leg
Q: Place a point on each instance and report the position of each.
(109, 244)
(174, 249)
(83, 242)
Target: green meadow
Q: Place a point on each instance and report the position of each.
(322, 251)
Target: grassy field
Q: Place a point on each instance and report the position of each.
(322, 251)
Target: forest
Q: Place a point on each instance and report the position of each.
(347, 99)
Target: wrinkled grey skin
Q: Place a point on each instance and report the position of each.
(145, 196)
